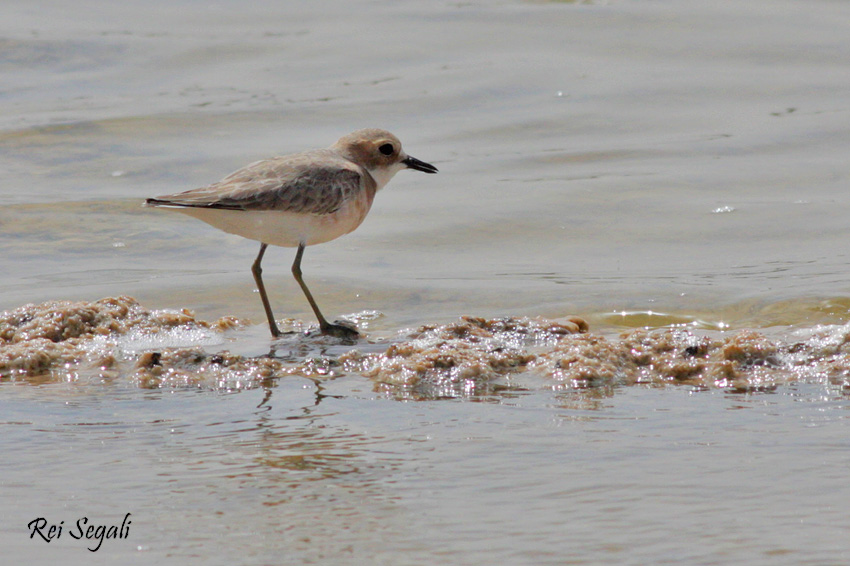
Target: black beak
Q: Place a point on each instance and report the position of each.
(413, 163)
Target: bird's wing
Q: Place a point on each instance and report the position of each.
(296, 183)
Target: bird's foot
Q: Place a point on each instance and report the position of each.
(280, 334)
(340, 329)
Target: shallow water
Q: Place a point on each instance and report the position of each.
(294, 474)
(640, 164)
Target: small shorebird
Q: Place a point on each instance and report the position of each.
(299, 200)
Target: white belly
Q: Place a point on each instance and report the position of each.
(287, 229)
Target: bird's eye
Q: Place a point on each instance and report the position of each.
(386, 149)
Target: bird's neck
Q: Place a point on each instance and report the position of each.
(382, 175)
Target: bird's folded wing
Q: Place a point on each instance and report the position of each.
(282, 184)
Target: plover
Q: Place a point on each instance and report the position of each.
(299, 200)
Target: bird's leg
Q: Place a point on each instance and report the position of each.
(338, 330)
(258, 278)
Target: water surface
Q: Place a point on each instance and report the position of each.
(634, 163)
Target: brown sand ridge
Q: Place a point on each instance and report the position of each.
(71, 341)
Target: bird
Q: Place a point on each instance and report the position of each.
(299, 200)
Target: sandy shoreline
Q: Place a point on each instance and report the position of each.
(118, 339)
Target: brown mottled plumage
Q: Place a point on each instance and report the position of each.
(299, 200)
(291, 183)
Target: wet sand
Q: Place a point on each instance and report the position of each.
(117, 339)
